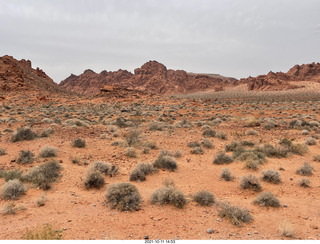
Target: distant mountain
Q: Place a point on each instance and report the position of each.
(152, 77)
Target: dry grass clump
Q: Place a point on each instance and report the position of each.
(104, 168)
(141, 170)
(130, 152)
(169, 195)
(193, 144)
(196, 150)
(43, 175)
(267, 199)
(206, 143)
(184, 123)
(44, 233)
(25, 157)
(304, 182)
(271, 151)
(251, 132)
(286, 229)
(41, 200)
(124, 195)
(316, 158)
(132, 137)
(151, 145)
(226, 175)
(235, 214)
(222, 135)
(3, 151)
(9, 208)
(11, 174)
(48, 152)
(250, 182)
(222, 158)
(306, 169)
(271, 176)
(46, 132)
(311, 141)
(299, 149)
(204, 198)
(208, 132)
(93, 179)
(165, 161)
(79, 143)
(12, 189)
(23, 134)
(76, 123)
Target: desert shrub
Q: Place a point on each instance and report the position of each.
(75, 160)
(25, 157)
(165, 162)
(146, 150)
(222, 135)
(206, 143)
(305, 132)
(165, 152)
(316, 158)
(23, 134)
(156, 126)
(285, 142)
(271, 176)
(168, 195)
(151, 144)
(11, 174)
(311, 141)
(46, 132)
(44, 233)
(222, 158)
(178, 154)
(251, 133)
(233, 146)
(141, 170)
(41, 200)
(131, 152)
(252, 164)
(12, 189)
(304, 182)
(9, 208)
(235, 214)
(306, 169)
(76, 123)
(208, 132)
(286, 229)
(193, 144)
(44, 174)
(271, 151)
(93, 179)
(48, 152)
(112, 129)
(124, 195)
(184, 123)
(104, 168)
(79, 143)
(133, 136)
(298, 149)
(3, 151)
(252, 122)
(269, 125)
(250, 182)
(204, 198)
(197, 150)
(226, 175)
(267, 199)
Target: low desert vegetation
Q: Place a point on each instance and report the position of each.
(222, 158)
(141, 171)
(94, 179)
(25, 157)
(23, 134)
(286, 228)
(46, 132)
(168, 195)
(44, 174)
(104, 168)
(305, 170)
(13, 189)
(267, 199)
(206, 143)
(271, 176)
(43, 233)
(79, 143)
(41, 200)
(250, 182)
(316, 158)
(226, 175)
(196, 150)
(235, 214)
(165, 161)
(131, 152)
(204, 198)
(3, 151)
(11, 174)
(125, 196)
(9, 208)
(304, 182)
(48, 152)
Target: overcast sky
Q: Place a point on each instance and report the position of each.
(231, 37)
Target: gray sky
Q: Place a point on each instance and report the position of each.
(231, 37)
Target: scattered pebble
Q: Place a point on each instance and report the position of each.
(146, 237)
(64, 228)
(249, 234)
(285, 205)
(256, 232)
(94, 205)
(218, 219)
(209, 231)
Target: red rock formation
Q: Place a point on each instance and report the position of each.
(152, 77)
(305, 72)
(19, 75)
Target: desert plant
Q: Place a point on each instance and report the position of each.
(235, 214)
(164, 161)
(271, 176)
(267, 199)
(197, 150)
(11, 174)
(23, 134)
(124, 195)
(12, 189)
(178, 154)
(208, 132)
(9, 208)
(43, 175)
(206, 143)
(3, 151)
(25, 157)
(46, 132)
(286, 229)
(41, 200)
(151, 144)
(48, 152)
(316, 158)
(311, 141)
(204, 198)
(299, 149)
(252, 164)
(184, 123)
(168, 195)
(44, 233)
(226, 175)
(193, 144)
(306, 169)
(146, 150)
(250, 182)
(104, 168)
(221, 135)
(131, 152)
(252, 132)
(304, 182)
(133, 136)
(222, 158)
(79, 143)
(93, 179)
(141, 170)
